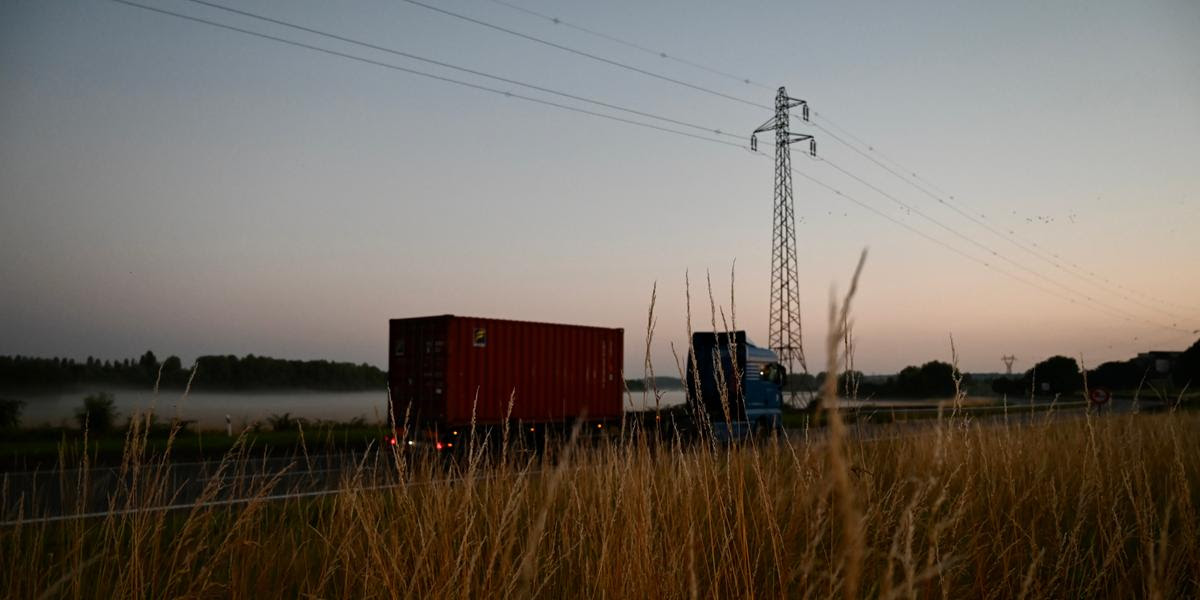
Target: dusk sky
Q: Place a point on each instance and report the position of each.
(165, 184)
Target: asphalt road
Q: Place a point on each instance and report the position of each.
(40, 496)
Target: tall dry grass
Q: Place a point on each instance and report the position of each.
(1048, 508)
(1082, 508)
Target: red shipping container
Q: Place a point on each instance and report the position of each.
(441, 367)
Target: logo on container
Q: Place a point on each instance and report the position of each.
(480, 337)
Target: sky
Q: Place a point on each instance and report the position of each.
(168, 185)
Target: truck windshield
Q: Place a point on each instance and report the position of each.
(774, 372)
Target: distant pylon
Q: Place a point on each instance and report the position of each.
(785, 331)
(1008, 362)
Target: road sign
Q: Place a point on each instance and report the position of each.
(1099, 396)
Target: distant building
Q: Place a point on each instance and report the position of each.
(1158, 362)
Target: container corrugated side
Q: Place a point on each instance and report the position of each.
(551, 372)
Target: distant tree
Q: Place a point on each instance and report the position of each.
(1056, 375)
(934, 379)
(1187, 368)
(1119, 375)
(850, 383)
(148, 363)
(908, 382)
(228, 372)
(98, 413)
(284, 422)
(937, 379)
(1009, 386)
(10, 413)
(802, 381)
(172, 372)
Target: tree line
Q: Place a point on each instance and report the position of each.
(660, 382)
(1063, 375)
(1055, 375)
(934, 379)
(226, 372)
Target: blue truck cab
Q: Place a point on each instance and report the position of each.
(733, 386)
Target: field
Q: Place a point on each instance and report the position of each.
(1044, 505)
(1096, 506)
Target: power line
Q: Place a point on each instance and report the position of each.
(837, 192)
(1081, 272)
(584, 54)
(462, 69)
(949, 203)
(1011, 237)
(592, 113)
(873, 149)
(634, 45)
(984, 247)
(484, 88)
(1178, 334)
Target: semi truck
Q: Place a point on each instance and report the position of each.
(733, 386)
(452, 375)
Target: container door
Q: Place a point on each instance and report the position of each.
(418, 370)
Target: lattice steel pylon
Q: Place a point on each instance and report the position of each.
(785, 330)
(1008, 363)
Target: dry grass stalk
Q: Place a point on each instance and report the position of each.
(839, 318)
(1046, 508)
(1066, 508)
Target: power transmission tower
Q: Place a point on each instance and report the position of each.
(1008, 362)
(785, 331)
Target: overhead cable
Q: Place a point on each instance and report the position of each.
(584, 54)
(484, 88)
(510, 94)
(475, 72)
(1079, 272)
(634, 45)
